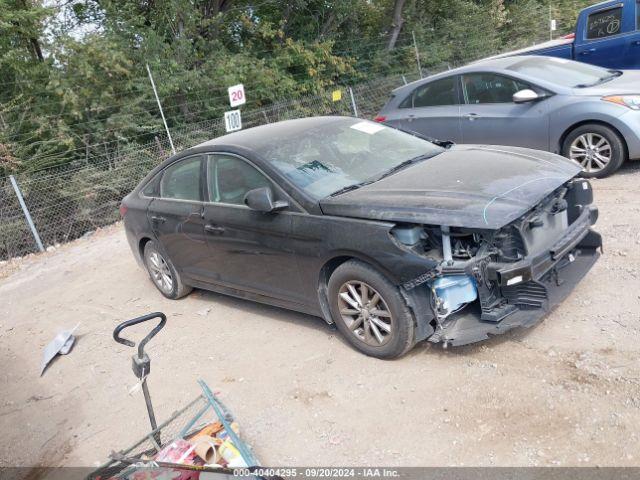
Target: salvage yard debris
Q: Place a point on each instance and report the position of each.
(203, 435)
(61, 344)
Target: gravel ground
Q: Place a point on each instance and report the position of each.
(565, 392)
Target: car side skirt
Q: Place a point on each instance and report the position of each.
(254, 297)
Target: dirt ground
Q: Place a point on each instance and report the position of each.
(566, 392)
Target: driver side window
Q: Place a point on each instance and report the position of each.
(490, 88)
(230, 178)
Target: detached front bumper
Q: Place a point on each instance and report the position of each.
(531, 287)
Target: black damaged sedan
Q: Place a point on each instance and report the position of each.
(393, 238)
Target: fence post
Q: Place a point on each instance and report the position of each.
(86, 149)
(164, 120)
(26, 213)
(353, 103)
(415, 45)
(404, 79)
(159, 145)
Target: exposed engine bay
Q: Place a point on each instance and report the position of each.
(499, 279)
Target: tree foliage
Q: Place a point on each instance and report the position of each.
(73, 71)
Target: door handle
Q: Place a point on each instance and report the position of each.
(214, 229)
(471, 116)
(158, 219)
(587, 52)
(635, 42)
(410, 117)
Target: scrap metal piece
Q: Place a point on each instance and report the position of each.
(61, 344)
(421, 279)
(66, 348)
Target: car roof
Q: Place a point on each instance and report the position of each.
(257, 137)
(500, 62)
(250, 142)
(494, 63)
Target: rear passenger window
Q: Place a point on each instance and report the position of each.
(182, 180)
(153, 187)
(490, 88)
(434, 94)
(604, 23)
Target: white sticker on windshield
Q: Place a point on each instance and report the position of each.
(367, 127)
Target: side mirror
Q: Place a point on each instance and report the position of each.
(525, 96)
(261, 200)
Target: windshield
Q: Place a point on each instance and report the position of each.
(566, 73)
(328, 158)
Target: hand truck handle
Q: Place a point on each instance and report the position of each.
(135, 321)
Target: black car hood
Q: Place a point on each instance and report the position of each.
(466, 186)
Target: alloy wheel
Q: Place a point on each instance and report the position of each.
(160, 272)
(592, 151)
(365, 313)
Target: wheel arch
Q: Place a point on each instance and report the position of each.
(141, 244)
(603, 123)
(329, 266)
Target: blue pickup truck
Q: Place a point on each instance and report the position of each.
(607, 34)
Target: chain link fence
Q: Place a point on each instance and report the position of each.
(67, 202)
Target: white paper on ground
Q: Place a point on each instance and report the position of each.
(62, 343)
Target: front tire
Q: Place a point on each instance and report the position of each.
(370, 311)
(598, 149)
(163, 274)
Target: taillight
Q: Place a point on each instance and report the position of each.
(380, 118)
(123, 210)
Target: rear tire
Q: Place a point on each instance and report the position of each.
(163, 274)
(598, 149)
(370, 311)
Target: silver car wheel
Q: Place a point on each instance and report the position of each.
(365, 313)
(160, 272)
(592, 151)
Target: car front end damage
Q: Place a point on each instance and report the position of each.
(489, 281)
